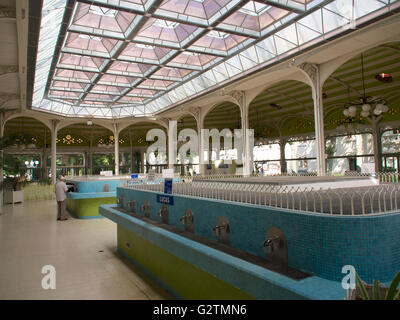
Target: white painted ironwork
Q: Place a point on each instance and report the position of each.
(383, 198)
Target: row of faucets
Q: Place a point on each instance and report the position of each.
(269, 244)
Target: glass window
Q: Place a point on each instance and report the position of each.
(300, 149)
(391, 141)
(67, 160)
(358, 144)
(267, 152)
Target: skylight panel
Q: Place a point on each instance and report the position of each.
(118, 51)
(104, 12)
(89, 37)
(165, 24)
(254, 8)
(218, 34)
(144, 46)
(189, 53)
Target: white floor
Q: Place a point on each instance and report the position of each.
(31, 237)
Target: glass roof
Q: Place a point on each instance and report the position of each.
(124, 58)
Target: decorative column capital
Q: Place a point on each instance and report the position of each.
(195, 111)
(164, 121)
(54, 124)
(311, 70)
(283, 141)
(115, 127)
(239, 96)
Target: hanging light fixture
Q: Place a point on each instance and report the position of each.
(370, 106)
(384, 77)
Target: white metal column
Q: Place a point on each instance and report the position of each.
(246, 153)
(248, 139)
(142, 157)
(54, 150)
(376, 134)
(116, 149)
(200, 127)
(172, 143)
(319, 131)
(90, 164)
(313, 73)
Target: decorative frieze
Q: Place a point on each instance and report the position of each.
(6, 12)
(6, 97)
(4, 69)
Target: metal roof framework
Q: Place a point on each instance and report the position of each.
(124, 58)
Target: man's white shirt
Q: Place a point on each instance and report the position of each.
(61, 189)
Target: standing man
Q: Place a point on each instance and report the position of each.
(61, 197)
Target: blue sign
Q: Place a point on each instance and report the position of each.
(168, 186)
(165, 199)
(134, 176)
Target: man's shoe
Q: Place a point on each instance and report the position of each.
(58, 219)
(64, 219)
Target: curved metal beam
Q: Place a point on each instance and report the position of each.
(344, 84)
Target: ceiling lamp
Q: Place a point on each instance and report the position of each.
(370, 106)
(384, 77)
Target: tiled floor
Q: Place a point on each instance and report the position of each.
(30, 238)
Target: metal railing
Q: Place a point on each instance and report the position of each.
(97, 177)
(384, 177)
(378, 199)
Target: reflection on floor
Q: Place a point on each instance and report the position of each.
(83, 252)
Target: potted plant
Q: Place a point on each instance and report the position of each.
(13, 192)
(13, 182)
(377, 291)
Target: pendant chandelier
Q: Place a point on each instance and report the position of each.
(370, 106)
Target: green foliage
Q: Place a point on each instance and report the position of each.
(376, 293)
(38, 191)
(45, 181)
(392, 292)
(13, 183)
(330, 147)
(103, 159)
(364, 293)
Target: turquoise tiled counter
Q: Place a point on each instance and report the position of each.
(84, 203)
(191, 270)
(319, 244)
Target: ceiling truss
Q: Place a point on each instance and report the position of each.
(114, 59)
